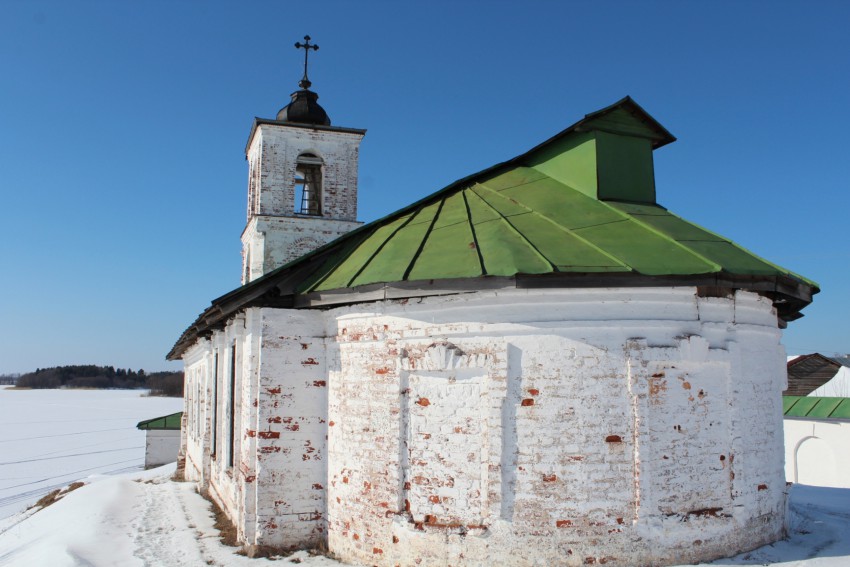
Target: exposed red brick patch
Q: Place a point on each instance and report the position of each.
(421, 480)
(384, 504)
(331, 423)
(275, 419)
(564, 523)
(251, 433)
(613, 439)
(707, 512)
(722, 457)
(434, 499)
(620, 521)
(267, 450)
(395, 539)
(589, 560)
(533, 391)
(250, 478)
(527, 402)
(345, 480)
(576, 457)
(274, 391)
(319, 383)
(367, 485)
(377, 550)
(407, 505)
(762, 487)
(304, 346)
(423, 402)
(318, 486)
(550, 478)
(355, 537)
(383, 370)
(309, 362)
(269, 434)
(407, 485)
(686, 385)
(292, 427)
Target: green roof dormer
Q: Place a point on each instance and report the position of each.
(607, 155)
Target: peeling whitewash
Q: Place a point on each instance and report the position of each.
(638, 426)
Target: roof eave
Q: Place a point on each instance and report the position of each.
(788, 294)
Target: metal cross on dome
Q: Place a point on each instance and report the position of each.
(305, 83)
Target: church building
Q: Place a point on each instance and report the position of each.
(535, 365)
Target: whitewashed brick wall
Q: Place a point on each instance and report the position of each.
(275, 233)
(610, 426)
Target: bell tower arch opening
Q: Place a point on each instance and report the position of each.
(308, 184)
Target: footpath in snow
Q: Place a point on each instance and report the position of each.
(145, 519)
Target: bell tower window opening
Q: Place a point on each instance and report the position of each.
(308, 185)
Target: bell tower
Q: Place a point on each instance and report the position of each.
(302, 182)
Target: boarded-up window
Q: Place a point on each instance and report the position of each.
(684, 444)
(446, 449)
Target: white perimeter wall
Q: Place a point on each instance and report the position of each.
(817, 452)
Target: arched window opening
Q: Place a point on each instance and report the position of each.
(308, 185)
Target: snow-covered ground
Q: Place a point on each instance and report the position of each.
(142, 518)
(49, 438)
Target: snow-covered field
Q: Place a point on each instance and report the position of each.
(49, 438)
(142, 518)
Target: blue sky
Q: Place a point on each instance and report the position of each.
(123, 127)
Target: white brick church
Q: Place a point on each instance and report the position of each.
(535, 365)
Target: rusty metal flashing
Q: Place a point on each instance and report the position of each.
(258, 121)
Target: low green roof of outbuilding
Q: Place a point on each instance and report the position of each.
(170, 421)
(816, 408)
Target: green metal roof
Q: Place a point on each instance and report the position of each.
(523, 222)
(171, 421)
(818, 408)
(578, 209)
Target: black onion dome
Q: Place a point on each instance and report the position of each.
(304, 109)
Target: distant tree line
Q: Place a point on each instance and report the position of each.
(103, 377)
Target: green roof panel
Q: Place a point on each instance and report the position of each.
(390, 263)
(449, 251)
(342, 275)
(815, 407)
(560, 246)
(505, 250)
